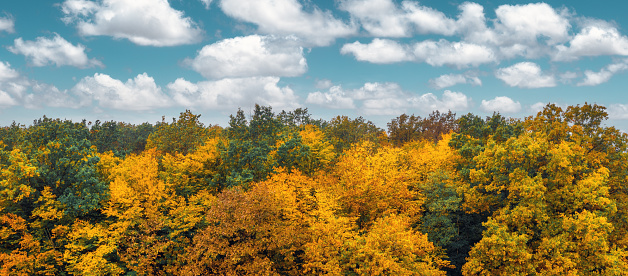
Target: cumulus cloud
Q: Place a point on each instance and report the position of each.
(58, 51)
(518, 30)
(529, 30)
(594, 40)
(594, 78)
(530, 21)
(250, 56)
(334, 98)
(372, 98)
(143, 22)
(567, 77)
(427, 20)
(230, 93)
(378, 17)
(501, 104)
(382, 98)
(454, 101)
(139, 93)
(287, 17)
(49, 95)
(448, 80)
(12, 86)
(537, 107)
(16, 89)
(435, 53)
(383, 18)
(618, 111)
(207, 3)
(375, 98)
(525, 75)
(457, 54)
(7, 24)
(378, 51)
(7, 73)
(323, 84)
(376, 90)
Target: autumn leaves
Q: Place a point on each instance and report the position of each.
(287, 195)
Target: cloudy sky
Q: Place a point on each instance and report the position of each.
(139, 60)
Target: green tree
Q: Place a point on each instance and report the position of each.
(549, 195)
(182, 135)
(344, 132)
(406, 128)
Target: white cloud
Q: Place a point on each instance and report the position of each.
(472, 24)
(16, 89)
(57, 51)
(525, 75)
(567, 77)
(501, 104)
(287, 17)
(9, 81)
(454, 101)
(6, 100)
(427, 20)
(49, 95)
(618, 111)
(7, 73)
(448, 80)
(382, 98)
(383, 18)
(376, 90)
(375, 98)
(378, 51)
(230, 93)
(13, 86)
(529, 30)
(140, 93)
(435, 53)
(458, 54)
(143, 22)
(250, 56)
(207, 3)
(323, 84)
(335, 98)
(378, 17)
(594, 78)
(594, 40)
(537, 107)
(385, 106)
(531, 21)
(7, 24)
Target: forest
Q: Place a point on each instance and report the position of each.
(286, 194)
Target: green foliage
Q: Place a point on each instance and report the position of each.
(120, 138)
(406, 128)
(181, 136)
(284, 194)
(298, 117)
(344, 132)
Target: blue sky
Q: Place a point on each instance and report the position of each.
(139, 60)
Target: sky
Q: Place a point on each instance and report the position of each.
(138, 60)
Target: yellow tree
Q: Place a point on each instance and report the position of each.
(372, 182)
(551, 208)
(261, 231)
(148, 225)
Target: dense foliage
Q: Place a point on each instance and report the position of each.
(284, 194)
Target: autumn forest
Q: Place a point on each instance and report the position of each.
(282, 193)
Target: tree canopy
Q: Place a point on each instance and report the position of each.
(281, 193)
